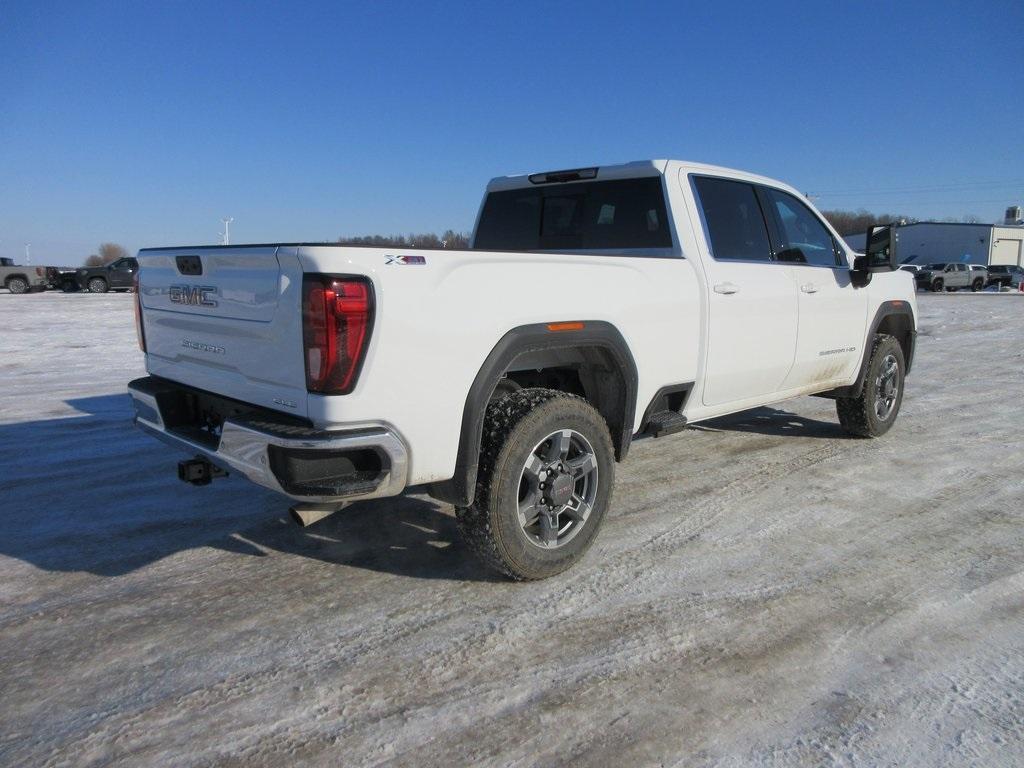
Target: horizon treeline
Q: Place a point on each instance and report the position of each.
(448, 239)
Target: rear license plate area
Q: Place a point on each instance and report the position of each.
(198, 416)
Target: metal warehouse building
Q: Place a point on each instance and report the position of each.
(928, 242)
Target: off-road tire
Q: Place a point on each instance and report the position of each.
(857, 414)
(977, 285)
(17, 285)
(98, 285)
(937, 284)
(513, 426)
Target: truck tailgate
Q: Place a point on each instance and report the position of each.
(227, 320)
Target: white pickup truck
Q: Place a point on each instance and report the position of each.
(595, 306)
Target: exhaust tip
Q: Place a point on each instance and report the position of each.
(307, 514)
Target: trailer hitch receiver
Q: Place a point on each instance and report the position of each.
(199, 471)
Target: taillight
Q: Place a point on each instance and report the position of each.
(337, 314)
(139, 330)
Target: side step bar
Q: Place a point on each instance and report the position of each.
(664, 423)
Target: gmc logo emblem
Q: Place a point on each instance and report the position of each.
(195, 295)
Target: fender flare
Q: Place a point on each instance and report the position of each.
(885, 310)
(461, 488)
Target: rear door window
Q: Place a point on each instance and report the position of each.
(619, 214)
(735, 224)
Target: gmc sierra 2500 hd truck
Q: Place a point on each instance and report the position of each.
(595, 306)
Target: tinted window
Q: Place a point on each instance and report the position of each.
(803, 238)
(620, 214)
(735, 224)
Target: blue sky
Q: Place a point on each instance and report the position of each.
(144, 123)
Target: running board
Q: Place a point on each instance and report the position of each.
(665, 423)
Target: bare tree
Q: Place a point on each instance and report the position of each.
(456, 240)
(107, 253)
(450, 239)
(857, 222)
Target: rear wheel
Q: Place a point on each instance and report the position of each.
(98, 285)
(874, 411)
(545, 478)
(937, 284)
(17, 285)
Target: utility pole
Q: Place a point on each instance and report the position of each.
(225, 236)
(28, 254)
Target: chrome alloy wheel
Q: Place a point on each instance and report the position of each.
(887, 387)
(557, 488)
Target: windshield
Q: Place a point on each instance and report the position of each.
(620, 214)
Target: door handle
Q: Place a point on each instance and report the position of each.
(809, 288)
(726, 288)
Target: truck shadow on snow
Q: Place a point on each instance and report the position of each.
(92, 494)
(774, 422)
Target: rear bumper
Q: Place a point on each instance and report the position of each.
(297, 460)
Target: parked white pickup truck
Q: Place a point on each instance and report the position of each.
(595, 306)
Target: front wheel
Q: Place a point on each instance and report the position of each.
(874, 411)
(937, 284)
(17, 285)
(977, 285)
(544, 483)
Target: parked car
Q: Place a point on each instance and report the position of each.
(978, 277)
(911, 268)
(536, 355)
(951, 277)
(62, 279)
(23, 279)
(117, 276)
(1005, 274)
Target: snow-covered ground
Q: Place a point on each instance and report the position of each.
(765, 591)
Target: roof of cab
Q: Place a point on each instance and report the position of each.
(635, 169)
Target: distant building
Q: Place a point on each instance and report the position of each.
(929, 242)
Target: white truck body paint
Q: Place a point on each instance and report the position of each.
(745, 334)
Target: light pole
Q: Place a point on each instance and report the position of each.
(225, 236)
(28, 254)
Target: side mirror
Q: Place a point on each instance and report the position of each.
(860, 274)
(879, 255)
(880, 248)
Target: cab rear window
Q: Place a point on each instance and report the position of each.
(620, 214)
